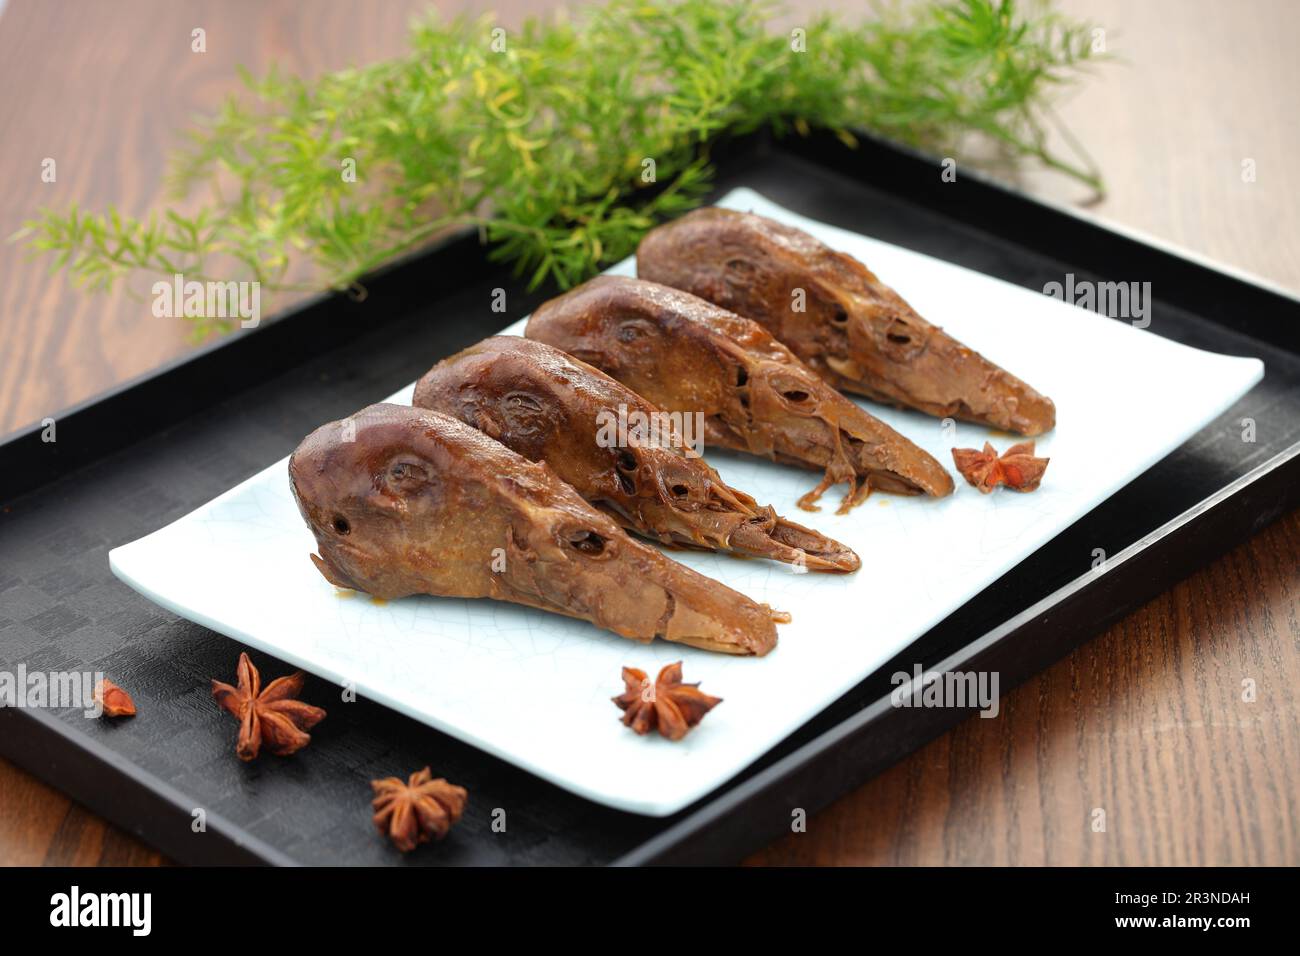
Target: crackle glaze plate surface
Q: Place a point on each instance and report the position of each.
(503, 677)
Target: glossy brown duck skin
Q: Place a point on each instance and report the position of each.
(855, 331)
(407, 501)
(548, 406)
(685, 354)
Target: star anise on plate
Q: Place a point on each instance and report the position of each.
(667, 705)
(114, 700)
(267, 716)
(416, 811)
(1016, 468)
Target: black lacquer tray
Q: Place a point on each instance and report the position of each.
(151, 451)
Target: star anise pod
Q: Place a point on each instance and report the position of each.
(416, 811)
(114, 701)
(267, 716)
(667, 705)
(1017, 468)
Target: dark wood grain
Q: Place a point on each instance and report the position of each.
(1146, 723)
(41, 827)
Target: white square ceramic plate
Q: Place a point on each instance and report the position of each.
(503, 677)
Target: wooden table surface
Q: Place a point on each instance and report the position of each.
(1146, 722)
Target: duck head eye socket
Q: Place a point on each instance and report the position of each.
(401, 470)
(839, 316)
(795, 395)
(341, 524)
(588, 542)
(407, 476)
(630, 330)
(681, 491)
(627, 461)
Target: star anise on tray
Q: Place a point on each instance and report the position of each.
(1016, 468)
(267, 716)
(114, 700)
(667, 705)
(416, 811)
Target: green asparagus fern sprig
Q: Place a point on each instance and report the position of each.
(541, 138)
